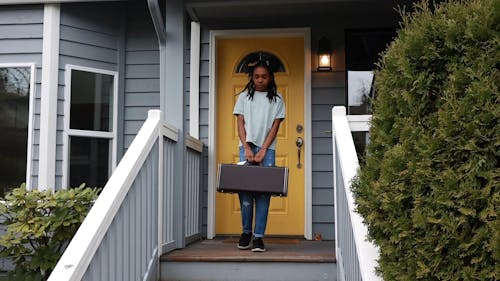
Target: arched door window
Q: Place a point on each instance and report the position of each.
(251, 59)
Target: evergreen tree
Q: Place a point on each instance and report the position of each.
(429, 188)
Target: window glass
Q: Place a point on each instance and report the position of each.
(90, 128)
(363, 50)
(91, 101)
(361, 140)
(89, 161)
(251, 59)
(14, 116)
(361, 92)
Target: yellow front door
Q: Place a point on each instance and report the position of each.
(286, 215)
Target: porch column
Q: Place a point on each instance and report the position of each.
(172, 102)
(48, 101)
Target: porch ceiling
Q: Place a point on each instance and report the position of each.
(213, 10)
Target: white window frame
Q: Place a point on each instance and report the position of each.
(68, 132)
(31, 111)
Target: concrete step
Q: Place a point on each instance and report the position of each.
(219, 259)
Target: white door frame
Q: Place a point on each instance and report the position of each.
(212, 141)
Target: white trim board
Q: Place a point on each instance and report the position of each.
(31, 117)
(194, 81)
(212, 165)
(112, 135)
(48, 97)
(359, 123)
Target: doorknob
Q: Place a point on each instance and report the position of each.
(299, 142)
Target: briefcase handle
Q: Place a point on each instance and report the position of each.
(249, 163)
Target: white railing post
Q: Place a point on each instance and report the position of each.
(194, 148)
(160, 192)
(340, 267)
(170, 136)
(336, 111)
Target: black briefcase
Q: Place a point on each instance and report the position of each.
(234, 178)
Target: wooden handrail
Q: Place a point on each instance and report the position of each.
(194, 143)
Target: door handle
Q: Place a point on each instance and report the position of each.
(299, 143)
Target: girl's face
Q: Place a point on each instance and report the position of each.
(261, 78)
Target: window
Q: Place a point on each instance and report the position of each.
(90, 125)
(363, 49)
(16, 86)
(249, 60)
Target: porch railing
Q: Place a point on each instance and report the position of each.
(356, 257)
(131, 223)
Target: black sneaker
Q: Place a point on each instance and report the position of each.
(244, 242)
(258, 245)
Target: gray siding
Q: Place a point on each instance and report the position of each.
(142, 70)
(112, 37)
(93, 35)
(90, 37)
(204, 99)
(21, 30)
(328, 90)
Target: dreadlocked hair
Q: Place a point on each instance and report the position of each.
(272, 93)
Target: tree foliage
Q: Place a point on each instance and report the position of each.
(39, 225)
(429, 189)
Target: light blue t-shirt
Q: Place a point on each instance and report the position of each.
(259, 115)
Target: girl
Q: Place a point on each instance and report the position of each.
(259, 111)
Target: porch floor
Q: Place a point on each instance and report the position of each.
(223, 249)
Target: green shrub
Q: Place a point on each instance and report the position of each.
(429, 190)
(39, 225)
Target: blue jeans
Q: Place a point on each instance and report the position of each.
(261, 200)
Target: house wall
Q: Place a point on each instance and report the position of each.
(21, 30)
(114, 37)
(90, 36)
(142, 70)
(109, 36)
(117, 37)
(142, 83)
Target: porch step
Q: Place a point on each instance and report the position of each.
(287, 259)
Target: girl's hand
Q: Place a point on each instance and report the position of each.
(249, 156)
(260, 155)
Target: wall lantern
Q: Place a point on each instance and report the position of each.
(324, 55)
